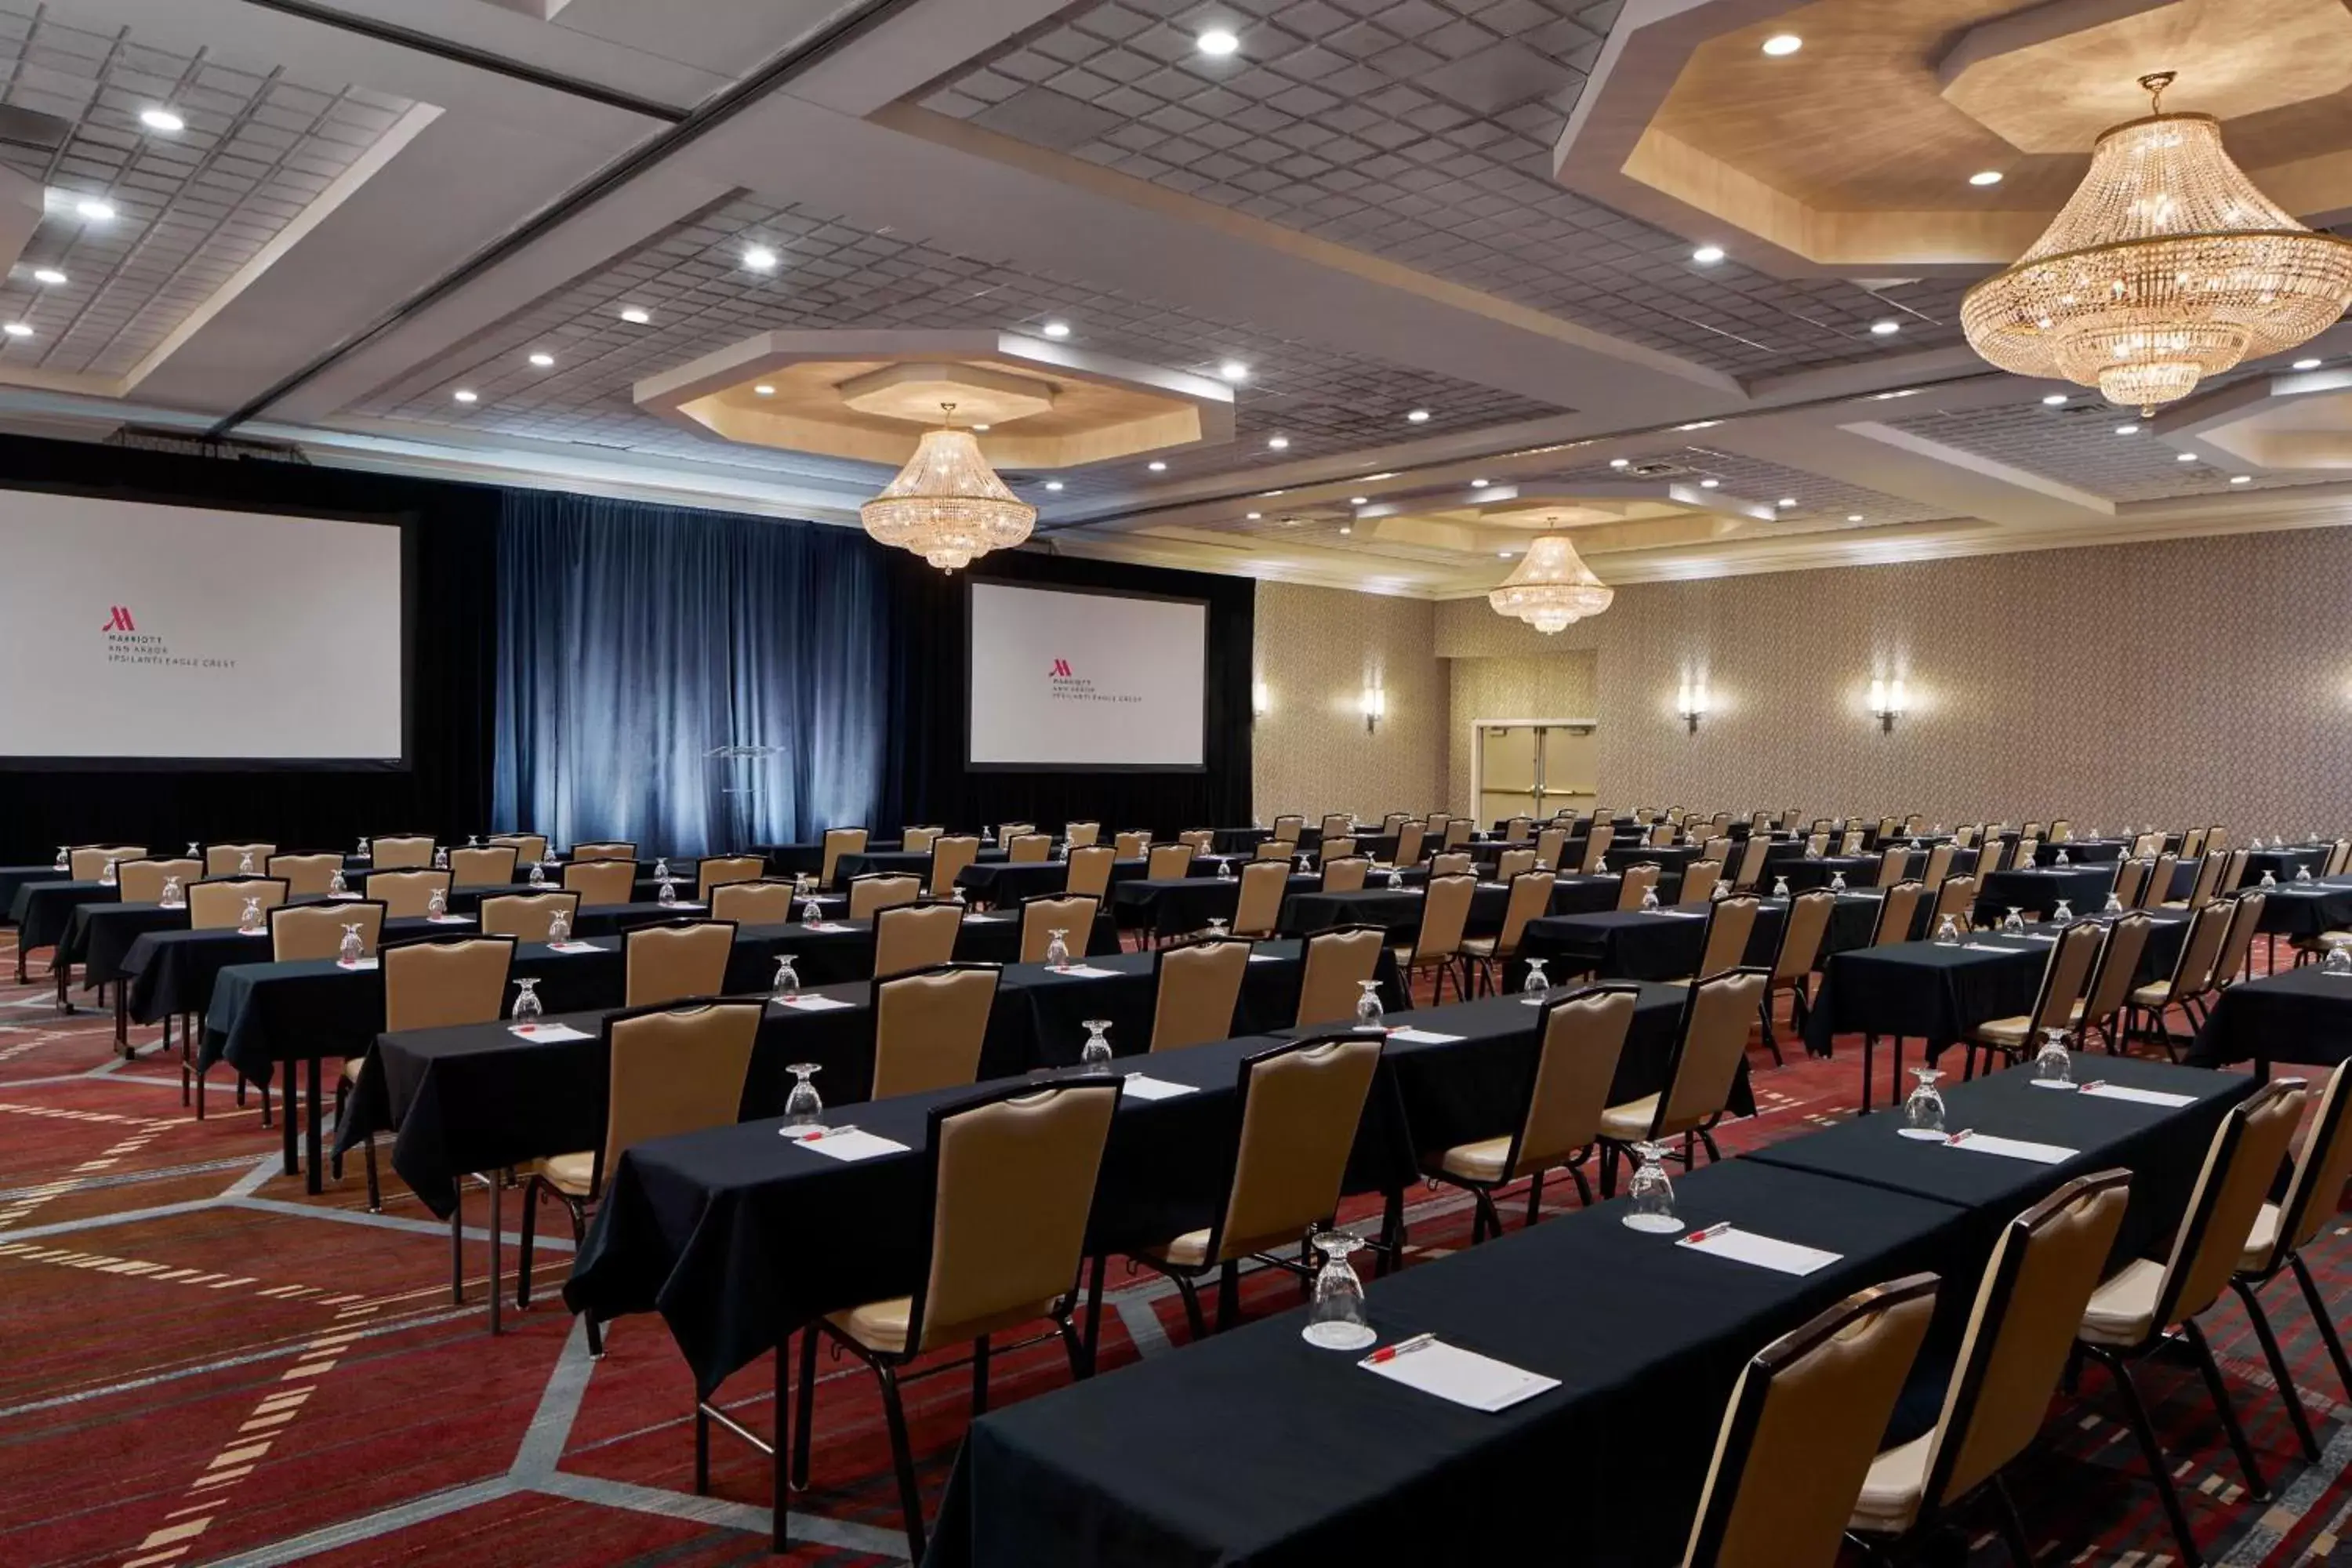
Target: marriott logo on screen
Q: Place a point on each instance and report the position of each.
(126, 644)
(1067, 686)
(118, 619)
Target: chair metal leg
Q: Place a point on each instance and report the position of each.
(2229, 1413)
(1094, 1312)
(1191, 1296)
(910, 1498)
(1484, 1220)
(1764, 1011)
(1583, 1187)
(1535, 1199)
(374, 1182)
(1869, 1049)
(1229, 1295)
(2318, 1307)
(2251, 1295)
(498, 1194)
(980, 1376)
(780, 1514)
(2145, 1431)
(804, 1415)
(2012, 1524)
(701, 1447)
(1081, 1359)
(528, 1229)
(458, 1247)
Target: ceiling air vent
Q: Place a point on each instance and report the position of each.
(31, 127)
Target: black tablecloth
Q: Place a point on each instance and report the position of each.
(807, 858)
(1255, 1448)
(918, 861)
(42, 909)
(2083, 851)
(2282, 864)
(2037, 892)
(2307, 909)
(2295, 1015)
(15, 877)
(1174, 906)
(1633, 945)
(1669, 858)
(1398, 909)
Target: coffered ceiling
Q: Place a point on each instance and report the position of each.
(1399, 279)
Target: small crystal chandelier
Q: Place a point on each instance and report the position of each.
(947, 505)
(1550, 587)
(2165, 266)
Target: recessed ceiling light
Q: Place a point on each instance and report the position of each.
(1419, 417)
(1480, 484)
(94, 210)
(19, 328)
(1707, 255)
(1885, 328)
(983, 428)
(1783, 44)
(1853, 517)
(1269, 494)
(1057, 329)
(1053, 484)
(2184, 457)
(1787, 500)
(1621, 462)
(162, 120)
(1985, 177)
(1344, 529)
(760, 259)
(2054, 400)
(1504, 554)
(2241, 479)
(542, 360)
(49, 275)
(1385, 474)
(1360, 501)
(464, 396)
(1156, 467)
(1251, 516)
(1234, 370)
(1710, 484)
(1700, 425)
(635, 315)
(764, 389)
(2126, 429)
(1217, 42)
(1279, 443)
(2307, 364)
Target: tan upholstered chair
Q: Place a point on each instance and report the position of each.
(1551, 846)
(1958, 899)
(838, 841)
(2283, 1229)
(1699, 879)
(718, 870)
(1718, 850)
(88, 864)
(1579, 1039)
(1662, 835)
(2210, 872)
(915, 936)
(1169, 862)
(1199, 840)
(1851, 843)
(1041, 917)
(1258, 910)
(530, 917)
(432, 982)
(1011, 1179)
(2158, 889)
(1802, 1427)
(2192, 843)
(1436, 946)
(2102, 1007)
(1195, 989)
(1596, 849)
(486, 865)
(1290, 826)
(928, 1027)
(1021, 849)
(919, 841)
(2237, 943)
(1636, 881)
(2019, 1331)
(2063, 975)
(1089, 873)
(1337, 824)
(1892, 864)
(1898, 915)
(874, 892)
(1134, 845)
(2136, 1309)
(1394, 821)
(1452, 863)
(1457, 831)
(1409, 844)
(406, 895)
(1338, 962)
(143, 881)
(219, 906)
(229, 859)
(667, 963)
(1335, 848)
(610, 849)
(2339, 858)
(950, 853)
(1939, 866)
(2192, 973)
(1300, 1103)
(669, 1070)
(602, 881)
(1007, 832)
(1530, 896)
(316, 930)
(401, 852)
(1275, 849)
(752, 903)
(2130, 876)
(1749, 866)
(1817, 845)
(1518, 829)
(1511, 862)
(1346, 874)
(531, 848)
(1078, 835)
(1889, 827)
(1804, 926)
(1730, 922)
(305, 876)
(1709, 1045)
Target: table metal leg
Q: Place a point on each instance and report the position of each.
(122, 1019)
(293, 1159)
(314, 1178)
(497, 1199)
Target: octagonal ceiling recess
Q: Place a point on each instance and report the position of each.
(1855, 154)
(869, 396)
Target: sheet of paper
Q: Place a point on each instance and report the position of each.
(2012, 1148)
(846, 1144)
(1680, 914)
(1413, 1036)
(682, 904)
(549, 1032)
(358, 964)
(1266, 958)
(1988, 947)
(572, 947)
(2040, 936)
(450, 920)
(1087, 972)
(820, 925)
(2137, 1096)
(814, 1003)
(968, 919)
(344, 897)
(1465, 1377)
(1763, 1251)
(1140, 1086)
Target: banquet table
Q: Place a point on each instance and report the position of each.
(43, 908)
(2037, 893)
(918, 861)
(1666, 944)
(1174, 906)
(2295, 1015)
(808, 858)
(2284, 863)
(1253, 1447)
(15, 877)
(1398, 909)
(1804, 875)
(1670, 859)
(2082, 851)
(2307, 909)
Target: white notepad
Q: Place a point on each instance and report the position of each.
(1465, 1377)
(341, 898)
(848, 1144)
(548, 1032)
(1763, 1251)
(2012, 1148)
(1988, 947)
(1087, 971)
(1140, 1086)
(968, 919)
(1413, 1036)
(2137, 1096)
(1679, 914)
(820, 925)
(451, 920)
(682, 904)
(573, 947)
(356, 964)
(1266, 958)
(2040, 936)
(815, 1004)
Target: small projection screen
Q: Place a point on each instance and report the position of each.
(1067, 680)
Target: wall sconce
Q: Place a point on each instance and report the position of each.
(1376, 707)
(1888, 700)
(1693, 703)
(1260, 699)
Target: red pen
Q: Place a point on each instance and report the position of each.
(1709, 1233)
(1962, 1136)
(823, 1133)
(1403, 1347)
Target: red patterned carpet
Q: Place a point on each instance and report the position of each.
(204, 1365)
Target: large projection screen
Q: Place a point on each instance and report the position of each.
(139, 635)
(1076, 680)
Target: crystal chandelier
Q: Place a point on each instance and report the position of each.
(1550, 587)
(947, 505)
(2166, 266)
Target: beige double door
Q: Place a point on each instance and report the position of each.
(1534, 769)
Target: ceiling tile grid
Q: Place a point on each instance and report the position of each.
(1420, 131)
(192, 206)
(694, 285)
(2080, 443)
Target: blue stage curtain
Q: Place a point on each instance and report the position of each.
(635, 641)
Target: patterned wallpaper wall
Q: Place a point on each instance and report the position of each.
(2195, 679)
(1529, 685)
(1318, 648)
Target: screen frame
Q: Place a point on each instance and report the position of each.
(971, 634)
(405, 521)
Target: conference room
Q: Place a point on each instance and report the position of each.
(1032, 784)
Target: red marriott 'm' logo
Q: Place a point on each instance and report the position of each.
(118, 619)
(1061, 670)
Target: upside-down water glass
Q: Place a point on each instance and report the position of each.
(527, 1005)
(2014, 922)
(1651, 1193)
(1370, 1013)
(1058, 951)
(248, 920)
(2053, 1065)
(803, 1105)
(1094, 1056)
(171, 897)
(787, 983)
(1336, 1320)
(1923, 1113)
(1537, 985)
